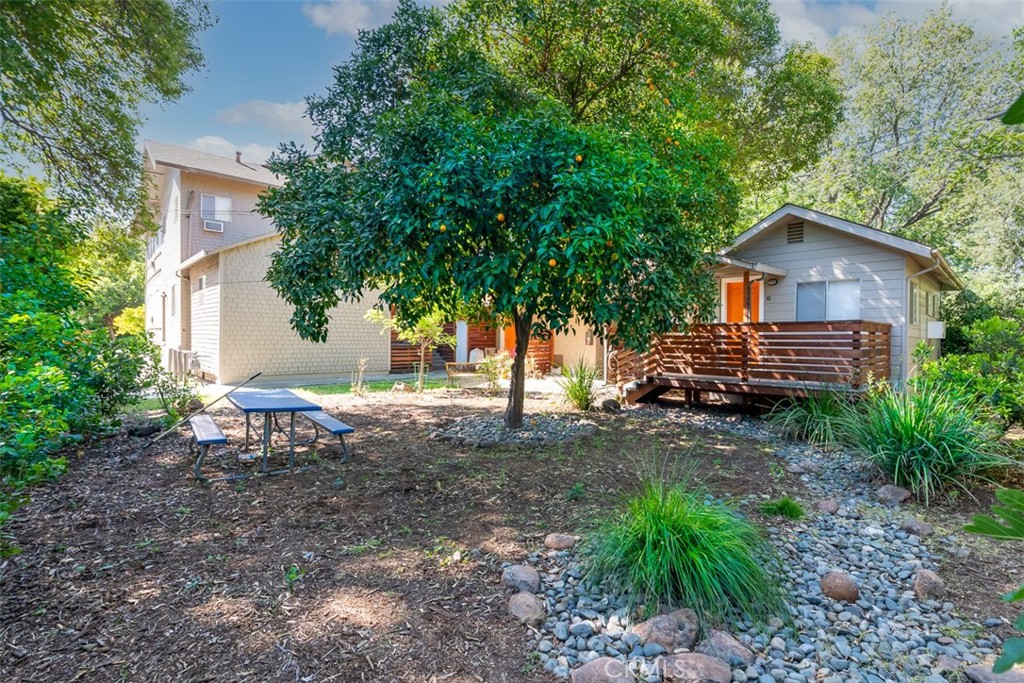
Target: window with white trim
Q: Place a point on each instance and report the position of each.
(914, 309)
(214, 208)
(831, 300)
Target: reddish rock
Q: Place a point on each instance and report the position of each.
(674, 630)
(526, 608)
(928, 585)
(725, 647)
(893, 494)
(828, 506)
(559, 541)
(521, 577)
(839, 586)
(694, 667)
(602, 670)
(915, 526)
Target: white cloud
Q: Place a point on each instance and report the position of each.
(214, 144)
(280, 117)
(819, 20)
(348, 17)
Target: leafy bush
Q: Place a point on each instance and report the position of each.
(928, 438)
(578, 384)
(814, 419)
(1010, 528)
(783, 507)
(131, 321)
(174, 392)
(669, 545)
(496, 367)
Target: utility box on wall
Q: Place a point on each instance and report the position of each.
(936, 329)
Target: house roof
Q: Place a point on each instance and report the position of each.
(931, 256)
(166, 154)
(200, 256)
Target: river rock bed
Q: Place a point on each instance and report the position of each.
(889, 632)
(487, 431)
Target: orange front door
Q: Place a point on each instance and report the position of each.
(510, 339)
(734, 302)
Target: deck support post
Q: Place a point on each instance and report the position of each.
(746, 296)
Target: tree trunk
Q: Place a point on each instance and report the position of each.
(516, 389)
(421, 375)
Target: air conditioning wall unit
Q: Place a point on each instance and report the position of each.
(936, 329)
(213, 226)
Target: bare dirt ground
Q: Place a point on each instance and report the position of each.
(131, 571)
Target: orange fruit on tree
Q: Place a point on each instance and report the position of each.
(501, 218)
(666, 101)
(579, 158)
(443, 227)
(552, 263)
(615, 257)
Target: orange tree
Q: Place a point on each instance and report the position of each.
(445, 179)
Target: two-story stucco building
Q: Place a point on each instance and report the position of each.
(207, 302)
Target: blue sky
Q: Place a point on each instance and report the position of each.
(264, 56)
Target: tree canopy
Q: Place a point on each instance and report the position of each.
(73, 76)
(448, 174)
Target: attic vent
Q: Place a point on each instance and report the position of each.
(794, 232)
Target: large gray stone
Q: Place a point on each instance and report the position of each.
(828, 506)
(559, 541)
(602, 670)
(839, 586)
(928, 585)
(521, 577)
(694, 667)
(890, 494)
(983, 674)
(725, 647)
(526, 608)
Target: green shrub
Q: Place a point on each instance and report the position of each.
(669, 545)
(1009, 528)
(496, 367)
(814, 419)
(783, 507)
(578, 384)
(928, 438)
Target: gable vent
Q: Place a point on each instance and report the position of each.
(794, 232)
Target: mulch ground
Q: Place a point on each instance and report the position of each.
(131, 571)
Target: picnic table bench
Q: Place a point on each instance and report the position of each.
(454, 370)
(205, 433)
(322, 420)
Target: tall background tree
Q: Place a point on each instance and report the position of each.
(921, 151)
(526, 157)
(73, 77)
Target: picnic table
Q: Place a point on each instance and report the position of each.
(269, 402)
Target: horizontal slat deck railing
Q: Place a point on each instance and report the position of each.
(842, 352)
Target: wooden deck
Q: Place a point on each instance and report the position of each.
(767, 359)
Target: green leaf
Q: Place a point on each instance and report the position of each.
(1015, 114)
(1012, 511)
(1013, 653)
(1014, 596)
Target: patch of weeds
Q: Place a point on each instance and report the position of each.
(147, 544)
(783, 507)
(240, 486)
(292, 576)
(776, 471)
(576, 491)
(364, 547)
(183, 511)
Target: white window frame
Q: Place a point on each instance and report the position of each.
(828, 285)
(221, 212)
(913, 303)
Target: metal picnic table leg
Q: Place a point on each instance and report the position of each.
(267, 429)
(291, 443)
(247, 417)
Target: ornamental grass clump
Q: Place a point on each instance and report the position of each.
(928, 438)
(578, 385)
(783, 507)
(670, 545)
(816, 418)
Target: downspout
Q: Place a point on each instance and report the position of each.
(904, 361)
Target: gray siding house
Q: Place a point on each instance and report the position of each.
(806, 266)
